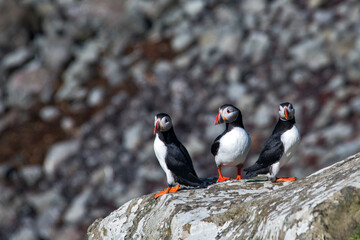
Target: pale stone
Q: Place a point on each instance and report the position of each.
(309, 208)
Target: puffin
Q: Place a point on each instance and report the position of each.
(173, 156)
(232, 146)
(279, 147)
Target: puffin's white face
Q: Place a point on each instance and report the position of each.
(286, 111)
(227, 113)
(162, 123)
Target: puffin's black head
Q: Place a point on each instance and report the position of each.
(286, 111)
(162, 123)
(227, 113)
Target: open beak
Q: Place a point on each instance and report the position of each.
(286, 113)
(157, 126)
(219, 119)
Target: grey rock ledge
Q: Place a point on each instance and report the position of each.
(324, 205)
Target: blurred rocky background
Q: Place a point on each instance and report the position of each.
(81, 82)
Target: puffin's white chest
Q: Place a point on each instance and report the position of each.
(234, 146)
(160, 150)
(291, 140)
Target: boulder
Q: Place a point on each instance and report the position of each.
(324, 205)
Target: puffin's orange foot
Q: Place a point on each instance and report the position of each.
(286, 179)
(222, 179)
(238, 174)
(162, 193)
(174, 189)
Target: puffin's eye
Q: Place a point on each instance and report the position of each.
(228, 111)
(166, 120)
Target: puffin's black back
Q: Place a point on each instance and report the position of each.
(178, 160)
(272, 150)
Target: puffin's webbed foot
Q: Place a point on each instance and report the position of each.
(239, 174)
(168, 190)
(239, 178)
(165, 191)
(174, 189)
(285, 179)
(222, 179)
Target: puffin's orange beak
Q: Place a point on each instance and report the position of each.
(286, 113)
(219, 119)
(157, 126)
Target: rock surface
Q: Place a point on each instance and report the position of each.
(325, 204)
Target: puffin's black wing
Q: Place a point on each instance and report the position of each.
(216, 144)
(270, 154)
(272, 151)
(179, 163)
(188, 159)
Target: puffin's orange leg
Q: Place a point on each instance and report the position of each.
(285, 179)
(174, 189)
(238, 174)
(162, 193)
(221, 177)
